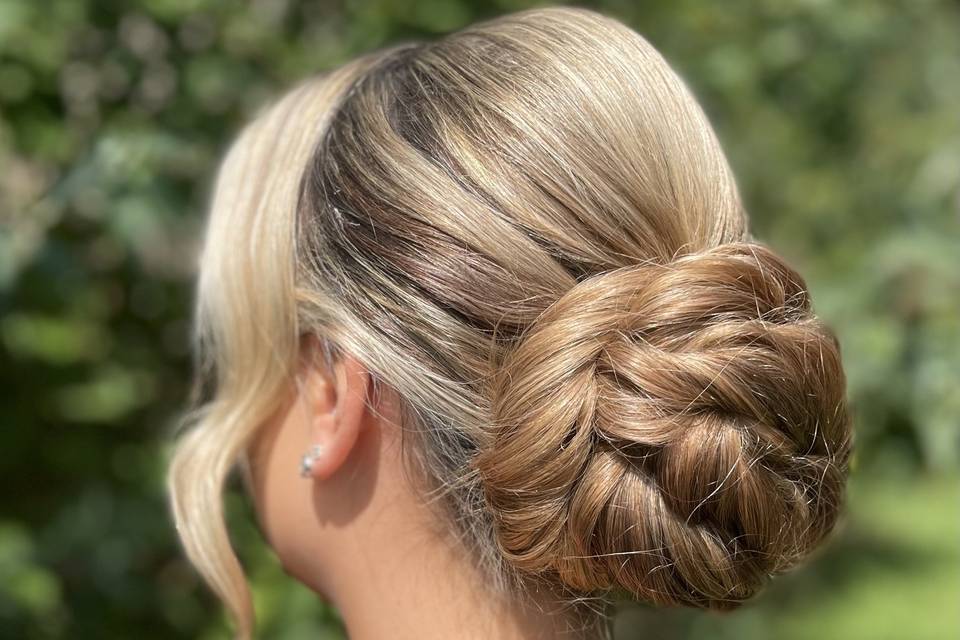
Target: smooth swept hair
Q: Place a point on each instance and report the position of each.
(528, 232)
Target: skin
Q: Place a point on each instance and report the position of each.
(359, 534)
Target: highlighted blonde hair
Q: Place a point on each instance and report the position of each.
(528, 231)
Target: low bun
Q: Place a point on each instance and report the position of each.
(677, 431)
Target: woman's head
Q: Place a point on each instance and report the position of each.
(526, 232)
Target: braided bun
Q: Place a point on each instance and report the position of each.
(677, 431)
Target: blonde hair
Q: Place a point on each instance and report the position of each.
(528, 231)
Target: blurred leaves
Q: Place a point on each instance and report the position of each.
(840, 119)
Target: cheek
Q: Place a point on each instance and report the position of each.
(282, 498)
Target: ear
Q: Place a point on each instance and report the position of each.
(336, 403)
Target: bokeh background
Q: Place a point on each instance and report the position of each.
(841, 121)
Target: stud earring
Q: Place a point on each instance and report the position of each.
(306, 463)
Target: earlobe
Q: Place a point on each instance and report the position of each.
(337, 415)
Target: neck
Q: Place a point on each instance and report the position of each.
(423, 589)
(393, 570)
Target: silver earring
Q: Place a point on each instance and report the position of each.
(306, 463)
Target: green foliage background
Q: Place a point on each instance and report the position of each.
(841, 121)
